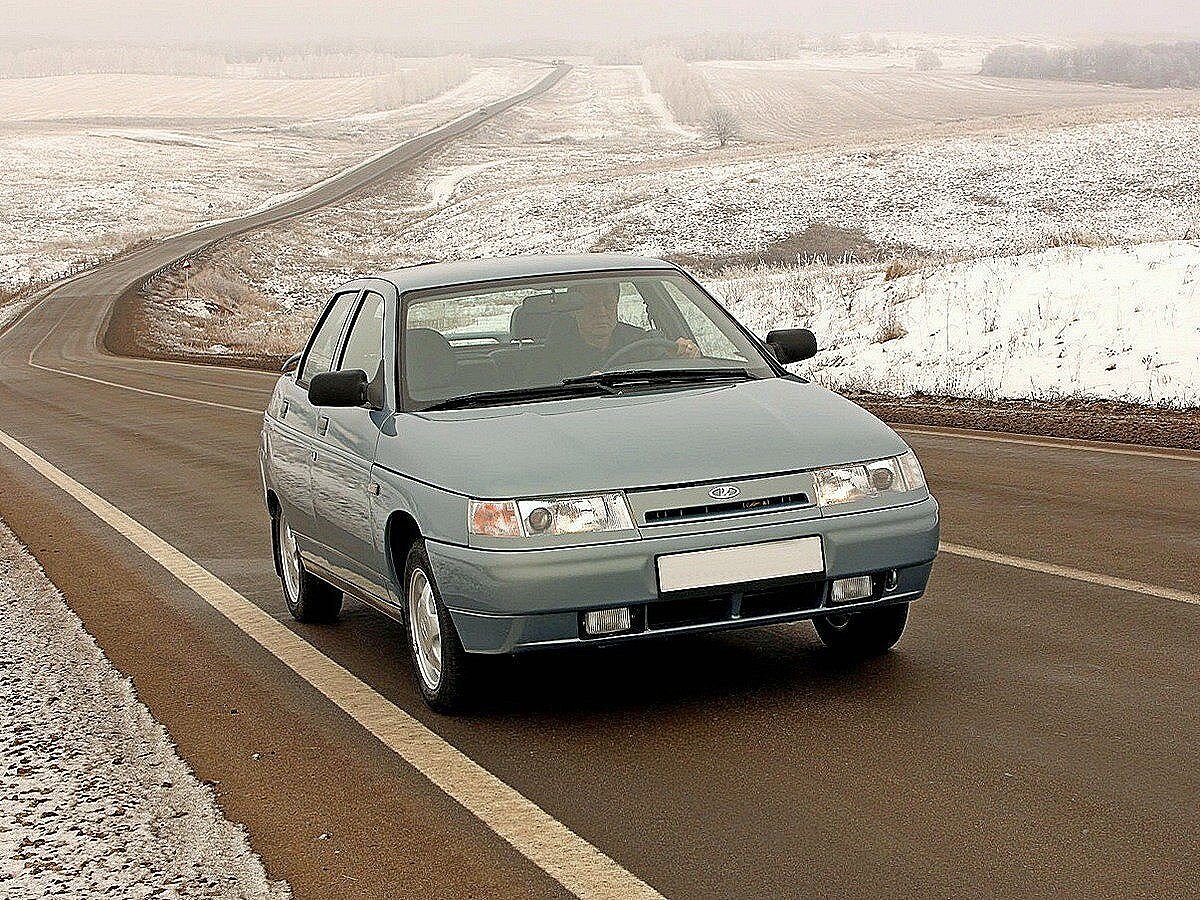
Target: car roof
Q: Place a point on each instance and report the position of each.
(468, 271)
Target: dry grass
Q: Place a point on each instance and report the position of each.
(819, 243)
(899, 267)
(218, 307)
(890, 328)
(1077, 238)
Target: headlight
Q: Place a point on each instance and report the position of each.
(564, 515)
(868, 481)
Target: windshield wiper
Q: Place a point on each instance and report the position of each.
(542, 392)
(663, 376)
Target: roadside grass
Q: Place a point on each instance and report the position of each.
(1070, 321)
(218, 310)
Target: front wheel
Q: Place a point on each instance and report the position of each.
(443, 669)
(868, 633)
(308, 598)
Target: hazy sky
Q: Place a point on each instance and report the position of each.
(502, 20)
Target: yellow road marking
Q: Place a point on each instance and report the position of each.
(570, 860)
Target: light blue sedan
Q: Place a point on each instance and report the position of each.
(551, 451)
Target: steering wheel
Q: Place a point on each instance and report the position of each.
(642, 350)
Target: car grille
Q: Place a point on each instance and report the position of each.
(684, 503)
(705, 510)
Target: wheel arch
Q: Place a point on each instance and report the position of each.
(399, 533)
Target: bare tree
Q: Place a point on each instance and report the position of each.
(722, 125)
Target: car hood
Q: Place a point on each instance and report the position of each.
(713, 432)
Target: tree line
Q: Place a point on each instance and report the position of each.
(1140, 65)
(688, 95)
(425, 80)
(166, 60)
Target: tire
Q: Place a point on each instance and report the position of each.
(308, 598)
(442, 668)
(863, 634)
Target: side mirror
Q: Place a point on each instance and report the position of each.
(792, 344)
(290, 364)
(347, 388)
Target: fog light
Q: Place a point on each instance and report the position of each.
(607, 621)
(846, 590)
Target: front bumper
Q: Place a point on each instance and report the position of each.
(507, 600)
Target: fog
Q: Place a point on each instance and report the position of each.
(572, 22)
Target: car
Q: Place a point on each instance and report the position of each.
(548, 451)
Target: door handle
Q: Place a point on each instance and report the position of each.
(284, 408)
(313, 455)
(322, 424)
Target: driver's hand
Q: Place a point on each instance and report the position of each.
(685, 349)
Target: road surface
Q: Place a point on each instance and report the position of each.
(1034, 734)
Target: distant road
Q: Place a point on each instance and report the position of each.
(1033, 735)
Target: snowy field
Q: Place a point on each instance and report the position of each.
(599, 119)
(94, 801)
(596, 166)
(799, 100)
(1114, 323)
(1126, 181)
(78, 189)
(599, 164)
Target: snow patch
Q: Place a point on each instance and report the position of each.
(443, 188)
(1118, 323)
(94, 801)
(662, 113)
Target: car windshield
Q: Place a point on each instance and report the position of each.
(568, 335)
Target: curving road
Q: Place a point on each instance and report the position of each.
(1033, 735)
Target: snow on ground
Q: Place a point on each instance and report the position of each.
(1128, 181)
(74, 191)
(1118, 323)
(94, 801)
(807, 98)
(592, 166)
(658, 105)
(443, 188)
(145, 96)
(596, 121)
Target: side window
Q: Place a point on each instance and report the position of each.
(324, 343)
(631, 306)
(713, 342)
(364, 344)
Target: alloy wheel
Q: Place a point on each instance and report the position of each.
(425, 629)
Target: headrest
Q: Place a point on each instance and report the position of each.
(430, 362)
(533, 317)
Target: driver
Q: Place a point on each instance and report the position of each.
(580, 343)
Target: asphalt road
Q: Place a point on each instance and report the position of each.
(1033, 734)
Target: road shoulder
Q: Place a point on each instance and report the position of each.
(96, 799)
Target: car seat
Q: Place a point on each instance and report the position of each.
(430, 369)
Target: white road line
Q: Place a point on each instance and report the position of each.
(1032, 442)
(1033, 565)
(245, 409)
(570, 860)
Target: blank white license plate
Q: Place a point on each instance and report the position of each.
(731, 565)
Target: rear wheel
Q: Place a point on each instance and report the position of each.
(442, 668)
(868, 633)
(308, 598)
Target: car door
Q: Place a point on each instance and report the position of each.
(292, 444)
(346, 438)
